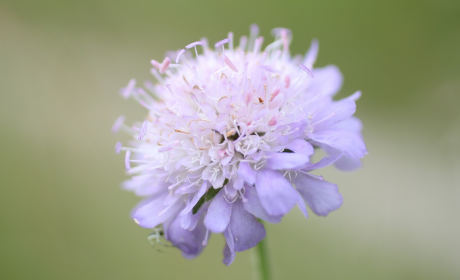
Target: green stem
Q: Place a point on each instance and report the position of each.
(263, 261)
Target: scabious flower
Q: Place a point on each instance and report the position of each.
(229, 138)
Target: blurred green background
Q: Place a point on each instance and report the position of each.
(63, 215)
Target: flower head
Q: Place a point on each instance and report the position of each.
(229, 138)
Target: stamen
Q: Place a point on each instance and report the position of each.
(127, 163)
(168, 86)
(222, 42)
(118, 147)
(194, 44)
(118, 124)
(243, 42)
(274, 94)
(205, 241)
(258, 44)
(181, 52)
(164, 65)
(269, 68)
(129, 88)
(287, 80)
(143, 130)
(254, 32)
(169, 146)
(312, 53)
(230, 36)
(230, 64)
(285, 39)
(273, 121)
(155, 63)
(156, 75)
(304, 68)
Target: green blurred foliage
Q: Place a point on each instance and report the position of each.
(63, 216)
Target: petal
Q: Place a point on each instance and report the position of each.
(321, 196)
(328, 80)
(195, 199)
(344, 163)
(189, 242)
(279, 161)
(245, 228)
(190, 220)
(348, 163)
(276, 194)
(247, 173)
(229, 250)
(352, 124)
(301, 205)
(149, 213)
(325, 161)
(219, 213)
(300, 146)
(347, 142)
(336, 112)
(252, 204)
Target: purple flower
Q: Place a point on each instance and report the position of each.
(229, 138)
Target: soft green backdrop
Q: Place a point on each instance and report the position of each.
(63, 215)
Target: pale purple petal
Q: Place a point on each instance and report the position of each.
(325, 161)
(252, 204)
(276, 194)
(229, 250)
(195, 199)
(279, 161)
(247, 173)
(336, 112)
(300, 146)
(219, 213)
(328, 81)
(189, 242)
(321, 196)
(348, 163)
(147, 213)
(245, 228)
(347, 142)
(301, 205)
(352, 124)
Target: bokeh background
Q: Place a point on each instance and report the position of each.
(63, 215)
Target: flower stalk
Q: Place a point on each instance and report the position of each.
(263, 260)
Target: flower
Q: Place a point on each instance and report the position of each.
(229, 138)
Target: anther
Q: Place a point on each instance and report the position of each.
(181, 52)
(194, 44)
(164, 65)
(222, 42)
(129, 88)
(143, 130)
(287, 80)
(127, 163)
(304, 68)
(118, 123)
(118, 147)
(230, 64)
